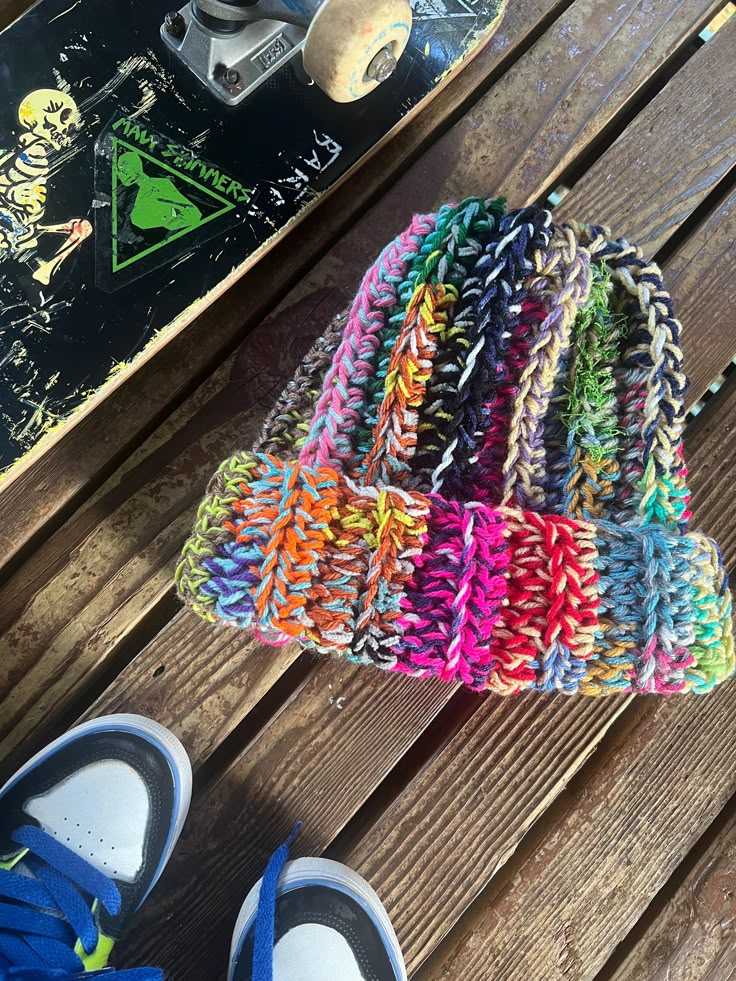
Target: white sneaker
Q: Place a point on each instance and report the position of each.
(86, 828)
(313, 920)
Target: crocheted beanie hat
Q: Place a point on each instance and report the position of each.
(477, 474)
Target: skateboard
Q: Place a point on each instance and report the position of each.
(148, 157)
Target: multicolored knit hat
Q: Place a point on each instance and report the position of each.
(477, 475)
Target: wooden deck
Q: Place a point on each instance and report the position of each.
(530, 839)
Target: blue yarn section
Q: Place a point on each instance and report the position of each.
(231, 582)
(644, 590)
(558, 671)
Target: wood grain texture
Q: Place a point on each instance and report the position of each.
(693, 938)
(84, 591)
(463, 817)
(198, 680)
(319, 759)
(573, 82)
(86, 451)
(634, 818)
(624, 831)
(684, 140)
(703, 267)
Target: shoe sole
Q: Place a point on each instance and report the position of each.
(152, 732)
(315, 872)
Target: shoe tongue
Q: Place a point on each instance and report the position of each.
(93, 823)
(313, 952)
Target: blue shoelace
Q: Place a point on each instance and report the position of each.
(49, 910)
(265, 934)
(47, 913)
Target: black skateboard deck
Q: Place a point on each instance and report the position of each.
(129, 194)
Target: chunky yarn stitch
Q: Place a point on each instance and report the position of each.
(477, 475)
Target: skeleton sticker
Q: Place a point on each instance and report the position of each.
(47, 117)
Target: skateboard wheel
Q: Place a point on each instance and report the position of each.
(352, 45)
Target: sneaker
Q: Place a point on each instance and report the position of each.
(313, 920)
(86, 828)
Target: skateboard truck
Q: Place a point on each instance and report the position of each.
(347, 47)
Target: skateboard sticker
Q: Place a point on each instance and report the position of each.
(47, 119)
(155, 201)
(128, 194)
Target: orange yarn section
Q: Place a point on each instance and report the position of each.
(409, 370)
(292, 509)
(334, 597)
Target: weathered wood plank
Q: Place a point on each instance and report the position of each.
(703, 267)
(44, 487)
(318, 760)
(681, 166)
(624, 831)
(463, 817)
(118, 552)
(193, 677)
(590, 62)
(692, 937)
(596, 869)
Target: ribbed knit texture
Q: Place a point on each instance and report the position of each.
(477, 475)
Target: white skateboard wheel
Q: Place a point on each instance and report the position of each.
(350, 44)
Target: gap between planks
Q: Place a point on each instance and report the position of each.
(688, 934)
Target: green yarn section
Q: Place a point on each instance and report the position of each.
(664, 497)
(424, 269)
(713, 642)
(590, 413)
(224, 490)
(587, 416)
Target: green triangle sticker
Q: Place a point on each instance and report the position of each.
(154, 205)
